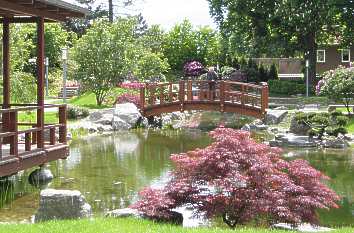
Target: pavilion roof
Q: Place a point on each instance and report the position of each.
(57, 10)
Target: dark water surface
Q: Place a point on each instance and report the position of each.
(110, 170)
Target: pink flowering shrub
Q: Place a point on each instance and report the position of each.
(241, 181)
(128, 98)
(132, 85)
(193, 68)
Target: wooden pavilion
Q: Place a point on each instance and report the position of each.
(28, 144)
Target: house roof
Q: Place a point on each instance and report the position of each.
(57, 10)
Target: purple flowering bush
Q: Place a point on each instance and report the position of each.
(193, 69)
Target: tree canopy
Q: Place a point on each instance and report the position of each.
(283, 28)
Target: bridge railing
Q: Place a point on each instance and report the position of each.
(192, 91)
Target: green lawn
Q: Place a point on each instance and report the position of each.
(88, 99)
(127, 226)
(30, 117)
(350, 126)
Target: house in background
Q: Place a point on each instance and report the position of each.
(330, 57)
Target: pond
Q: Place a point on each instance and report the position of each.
(110, 170)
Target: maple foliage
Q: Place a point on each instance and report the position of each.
(241, 181)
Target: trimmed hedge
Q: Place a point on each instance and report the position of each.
(286, 87)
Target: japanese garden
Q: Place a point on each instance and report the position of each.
(111, 123)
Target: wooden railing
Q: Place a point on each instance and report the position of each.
(224, 96)
(35, 136)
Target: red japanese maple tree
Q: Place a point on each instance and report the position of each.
(241, 180)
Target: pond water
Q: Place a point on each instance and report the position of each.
(110, 170)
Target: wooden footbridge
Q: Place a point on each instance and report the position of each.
(224, 96)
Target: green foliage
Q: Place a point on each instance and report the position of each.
(152, 66)
(263, 75)
(338, 85)
(75, 112)
(320, 123)
(285, 87)
(273, 73)
(109, 53)
(23, 88)
(183, 43)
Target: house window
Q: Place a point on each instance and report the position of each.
(321, 55)
(345, 55)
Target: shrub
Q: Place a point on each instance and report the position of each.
(132, 85)
(273, 73)
(74, 112)
(241, 181)
(338, 85)
(286, 87)
(320, 123)
(128, 98)
(193, 69)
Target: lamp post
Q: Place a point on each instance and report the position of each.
(64, 58)
(307, 77)
(46, 76)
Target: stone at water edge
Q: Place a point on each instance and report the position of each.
(275, 116)
(305, 227)
(62, 204)
(126, 116)
(176, 217)
(124, 213)
(40, 176)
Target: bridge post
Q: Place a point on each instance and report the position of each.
(181, 94)
(142, 99)
(222, 95)
(265, 96)
(189, 90)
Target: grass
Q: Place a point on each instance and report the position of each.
(88, 99)
(30, 117)
(108, 225)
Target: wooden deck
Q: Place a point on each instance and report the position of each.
(224, 96)
(25, 144)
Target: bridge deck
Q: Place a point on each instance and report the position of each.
(223, 96)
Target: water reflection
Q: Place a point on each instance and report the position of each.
(110, 170)
(339, 166)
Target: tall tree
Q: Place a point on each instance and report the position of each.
(285, 27)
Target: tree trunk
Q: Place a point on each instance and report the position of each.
(110, 10)
(311, 56)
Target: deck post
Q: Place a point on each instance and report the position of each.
(62, 122)
(6, 76)
(265, 96)
(181, 95)
(40, 81)
(6, 62)
(222, 95)
(13, 128)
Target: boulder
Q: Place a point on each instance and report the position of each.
(297, 128)
(124, 213)
(174, 218)
(62, 204)
(102, 117)
(126, 116)
(291, 140)
(335, 142)
(304, 227)
(275, 116)
(40, 176)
